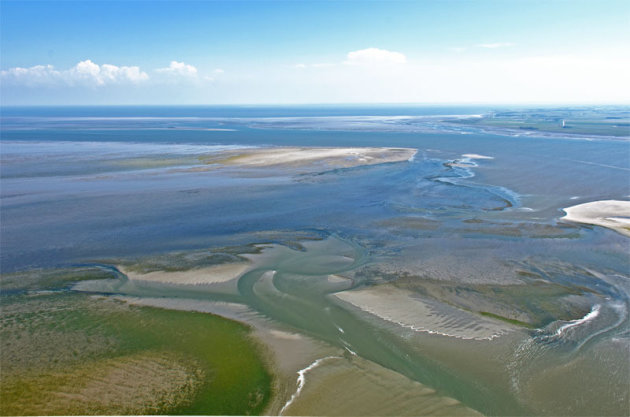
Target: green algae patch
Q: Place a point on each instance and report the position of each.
(68, 353)
(51, 279)
(507, 320)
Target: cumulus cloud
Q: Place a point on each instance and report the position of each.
(105, 74)
(84, 73)
(494, 45)
(179, 69)
(374, 56)
(37, 75)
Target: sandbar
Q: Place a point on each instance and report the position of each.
(612, 214)
(407, 310)
(303, 156)
(209, 275)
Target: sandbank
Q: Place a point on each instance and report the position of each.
(405, 309)
(302, 156)
(209, 275)
(612, 214)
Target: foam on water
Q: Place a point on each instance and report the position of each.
(301, 380)
(590, 316)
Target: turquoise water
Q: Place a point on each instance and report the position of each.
(83, 185)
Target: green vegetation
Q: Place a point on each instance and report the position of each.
(68, 353)
(50, 279)
(531, 301)
(571, 121)
(183, 261)
(507, 320)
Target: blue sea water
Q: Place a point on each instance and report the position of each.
(68, 193)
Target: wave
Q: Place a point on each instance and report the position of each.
(302, 380)
(590, 316)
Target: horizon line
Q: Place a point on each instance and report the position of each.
(344, 104)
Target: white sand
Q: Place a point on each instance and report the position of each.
(209, 275)
(404, 309)
(336, 279)
(331, 157)
(613, 214)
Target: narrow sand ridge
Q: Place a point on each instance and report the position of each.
(400, 307)
(328, 157)
(209, 275)
(612, 214)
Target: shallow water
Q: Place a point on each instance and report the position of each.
(456, 235)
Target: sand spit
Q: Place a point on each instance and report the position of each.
(400, 307)
(327, 157)
(210, 275)
(613, 214)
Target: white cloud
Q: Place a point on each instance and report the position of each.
(218, 71)
(33, 76)
(494, 45)
(84, 73)
(179, 69)
(316, 65)
(105, 74)
(584, 78)
(372, 56)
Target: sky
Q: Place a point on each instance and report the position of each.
(308, 52)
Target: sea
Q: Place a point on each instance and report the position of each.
(471, 223)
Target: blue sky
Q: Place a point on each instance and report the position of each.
(216, 52)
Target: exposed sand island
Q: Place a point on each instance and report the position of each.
(613, 214)
(303, 156)
(409, 311)
(209, 275)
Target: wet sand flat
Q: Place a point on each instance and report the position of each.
(336, 386)
(400, 307)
